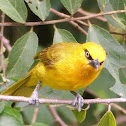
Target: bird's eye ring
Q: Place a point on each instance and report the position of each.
(101, 62)
(87, 54)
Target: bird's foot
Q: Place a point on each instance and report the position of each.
(34, 98)
(78, 102)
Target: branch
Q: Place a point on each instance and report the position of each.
(61, 20)
(61, 101)
(71, 22)
(112, 104)
(35, 115)
(56, 116)
(1, 38)
(117, 33)
(119, 108)
(1, 48)
(66, 16)
(6, 44)
(88, 13)
(121, 119)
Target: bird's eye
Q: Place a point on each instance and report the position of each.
(101, 63)
(87, 54)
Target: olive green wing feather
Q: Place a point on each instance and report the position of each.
(15, 86)
(51, 54)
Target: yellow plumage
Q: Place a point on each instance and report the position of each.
(63, 66)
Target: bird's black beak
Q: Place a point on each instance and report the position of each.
(95, 63)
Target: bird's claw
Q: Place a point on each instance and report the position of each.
(34, 98)
(78, 102)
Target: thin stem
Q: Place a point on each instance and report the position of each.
(112, 104)
(71, 22)
(31, 28)
(61, 20)
(78, 27)
(88, 106)
(117, 33)
(1, 49)
(121, 120)
(119, 108)
(65, 15)
(91, 92)
(80, 10)
(1, 38)
(35, 114)
(6, 44)
(56, 116)
(109, 107)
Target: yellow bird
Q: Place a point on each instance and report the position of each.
(65, 66)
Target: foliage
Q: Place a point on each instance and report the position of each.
(108, 31)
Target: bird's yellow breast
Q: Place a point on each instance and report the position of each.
(70, 70)
(67, 66)
(67, 78)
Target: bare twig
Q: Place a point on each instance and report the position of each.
(78, 27)
(66, 16)
(88, 106)
(56, 116)
(91, 92)
(112, 104)
(61, 20)
(1, 38)
(109, 107)
(61, 101)
(35, 114)
(2, 43)
(121, 119)
(88, 13)
(6, 44)
(117, 33)
(119, 108)
(71, 22)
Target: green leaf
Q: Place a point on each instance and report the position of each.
(116, 57)
(40, 8)
(103, 81)
(21, 56)
(10, 116)
(39, 124)
(122, 75)
(80, 116)
(107, 120)
(7, 120)
(15, 9)
(62, 35)
(72, 5)
(119, 19)
(13, 112)
(2, 105)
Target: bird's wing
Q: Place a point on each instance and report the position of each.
(51, 55)
(15, 86)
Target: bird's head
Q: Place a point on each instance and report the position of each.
(95, 54)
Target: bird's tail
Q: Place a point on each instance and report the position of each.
(20, 88)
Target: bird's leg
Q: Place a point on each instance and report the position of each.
(78, 100)
(34, 97)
